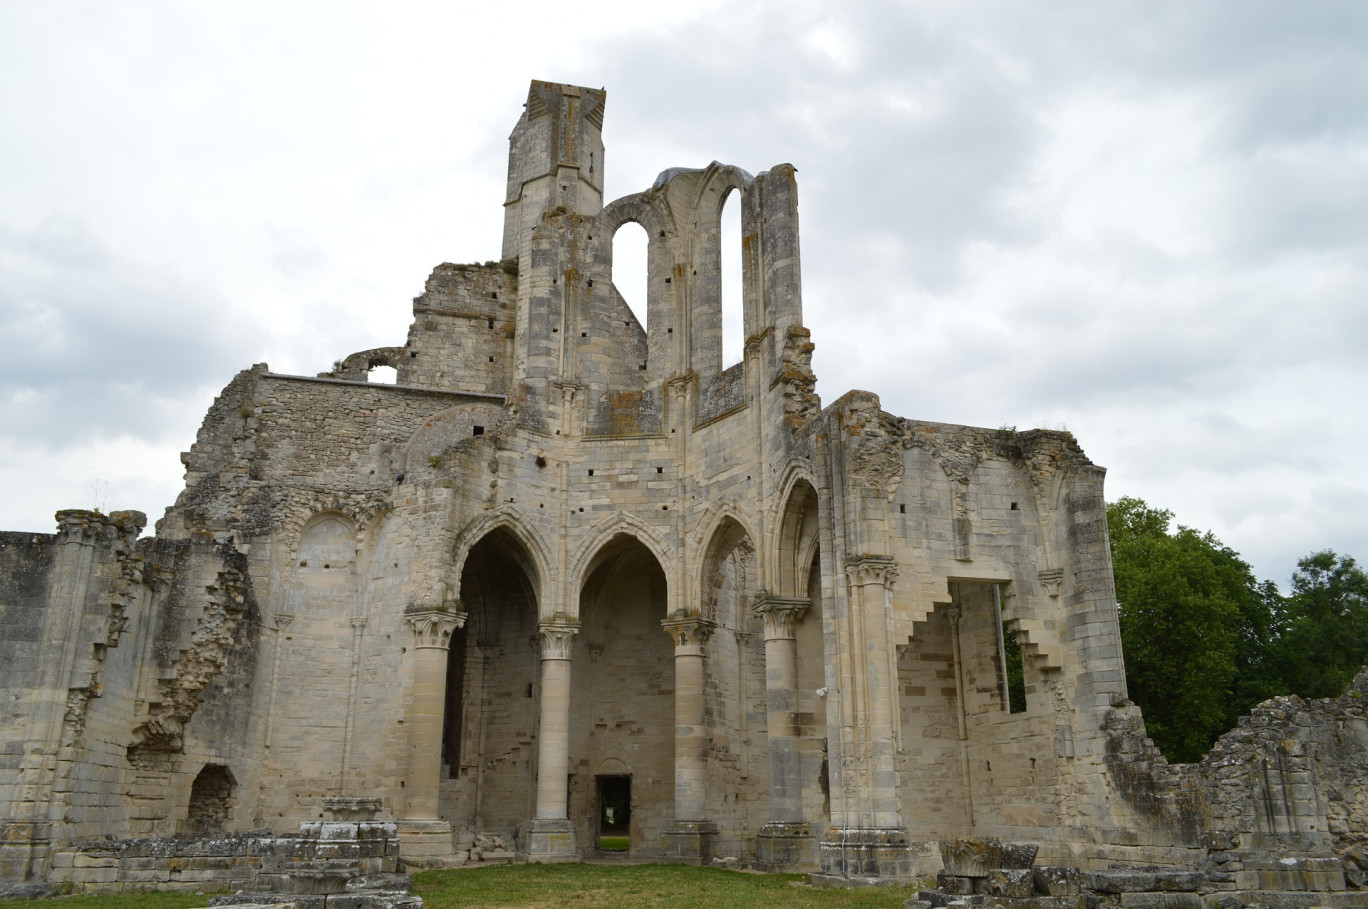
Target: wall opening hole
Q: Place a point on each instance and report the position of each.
(477, 430)
(1014, 506)
(211, 796)
(383, 375)
(630, 255)
(733, 319)
(1015, 669)
(614, 813)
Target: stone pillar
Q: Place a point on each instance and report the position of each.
(786, 842)
(550, 836)
(869, 841)
(425, 839)
(691, 837)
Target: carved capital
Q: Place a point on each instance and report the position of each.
(433, 626)
(1051, 580)
(781, 615)
(688, 630)
(557, 636)
(872, 570)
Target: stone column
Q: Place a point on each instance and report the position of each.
(690, 838)
(786, 841)
(870, 841)
(550, 835)
(424, 838)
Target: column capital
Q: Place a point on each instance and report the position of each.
(688, 629)
(557, 636)
(781, 615)
(871, 569)
(433, 626)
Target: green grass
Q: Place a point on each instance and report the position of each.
(615, 843)
(656, 886)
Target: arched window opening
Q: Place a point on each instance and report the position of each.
(630, 246)
(383, 375)
(210, 798)
(733, 310)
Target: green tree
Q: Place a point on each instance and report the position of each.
(1323, 634)
(1195, 624)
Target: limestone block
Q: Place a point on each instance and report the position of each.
(970, 856)
(1012, 882)
(1058, 880)
(1017, 855)
(954, 884)
(1131, 900)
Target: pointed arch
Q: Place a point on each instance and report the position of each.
(729, 561)
(797, 538)
(626, 524)
(534, 555)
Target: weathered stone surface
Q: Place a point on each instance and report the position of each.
(1057, 880)
(1009, 882)
(955, 885)
(572, 579)
(1133, 900)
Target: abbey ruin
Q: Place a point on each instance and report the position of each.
(568, 578)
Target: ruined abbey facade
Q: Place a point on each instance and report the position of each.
(569, 577)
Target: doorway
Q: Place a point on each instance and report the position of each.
(614, 813)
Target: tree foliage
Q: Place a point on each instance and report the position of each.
(1322, 639)
(1193, 616)
(1205, 640)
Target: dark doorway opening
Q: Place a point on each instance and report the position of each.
(614, 813)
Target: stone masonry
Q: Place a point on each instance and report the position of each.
(568, 578)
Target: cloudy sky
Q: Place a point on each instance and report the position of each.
(1146, 222)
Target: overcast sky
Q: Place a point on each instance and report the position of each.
(1146, 222)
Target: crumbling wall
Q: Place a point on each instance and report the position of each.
(463, 327)
(1287, 787)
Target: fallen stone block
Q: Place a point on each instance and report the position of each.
(1057, 880)
(1017, 855)
(1132, 900)
(1011, 882)
(954, 884)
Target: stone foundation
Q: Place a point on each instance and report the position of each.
(855, 854)
(690, 842)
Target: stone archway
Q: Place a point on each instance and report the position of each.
(490, 719)
(622, 704)
(211, 798)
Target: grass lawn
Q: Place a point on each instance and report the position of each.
(663, 886)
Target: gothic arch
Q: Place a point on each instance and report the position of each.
(797, 537)
(643, 208)
(625, 524)
(729, 540)
(533, 557)
(720, 179)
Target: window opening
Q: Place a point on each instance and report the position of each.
(383, 375)
(733, 310)
(630, 245)
(1015, 671)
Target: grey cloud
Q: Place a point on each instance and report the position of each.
(98, 346)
